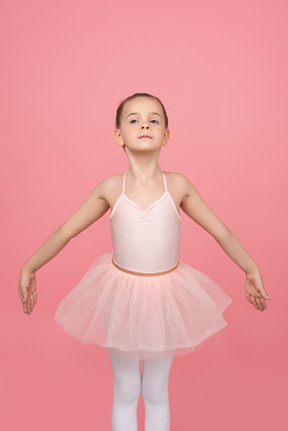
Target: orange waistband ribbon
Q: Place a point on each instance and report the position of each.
(144, 274)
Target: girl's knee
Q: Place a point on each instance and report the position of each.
(154, 394)
(127, 391)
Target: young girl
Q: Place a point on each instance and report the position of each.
(141, 301)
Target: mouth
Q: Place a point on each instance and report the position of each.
(145, 137)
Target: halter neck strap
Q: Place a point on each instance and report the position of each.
(124, 181)
(165, 182)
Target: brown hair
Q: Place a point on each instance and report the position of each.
(122, 104)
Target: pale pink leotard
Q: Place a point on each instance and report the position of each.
(144, 316)
(146, 240)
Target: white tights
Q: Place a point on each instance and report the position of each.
(127, 386)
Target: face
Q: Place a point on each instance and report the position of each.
(142, 126)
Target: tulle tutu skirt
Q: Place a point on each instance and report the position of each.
(143, 317)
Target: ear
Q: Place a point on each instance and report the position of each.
(118, 138)
(166, 137)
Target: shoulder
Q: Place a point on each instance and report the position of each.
(179, 186)
(177, 180)
(109, 188)
(112, 181)
(175, 176)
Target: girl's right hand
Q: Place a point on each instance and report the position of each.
(255, 291)
(27, 290)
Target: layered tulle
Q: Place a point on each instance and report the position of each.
(143, 317)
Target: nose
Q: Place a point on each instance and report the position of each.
(145, 126)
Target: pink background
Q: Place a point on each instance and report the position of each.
(220, 68)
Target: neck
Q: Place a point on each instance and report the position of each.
(143, 166)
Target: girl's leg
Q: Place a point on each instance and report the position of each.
(155, 376)
(126, 392)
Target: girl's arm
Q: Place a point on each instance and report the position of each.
(91, 210)
(194, 206)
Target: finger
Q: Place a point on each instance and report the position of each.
(264, 293)
(263, 302)
(248, 297)
(29, 305)
(23, 293)
(25, 307)
(259, 303)
(254, 302)
(34, 299)
(20, 293)
(251, 299)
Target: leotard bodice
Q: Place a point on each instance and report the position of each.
(145, 240)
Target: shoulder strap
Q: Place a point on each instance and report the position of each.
(165, 182)
(124, 180)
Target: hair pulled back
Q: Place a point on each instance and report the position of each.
(134, 96)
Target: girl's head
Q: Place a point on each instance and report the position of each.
(134, 96)
(137, 113)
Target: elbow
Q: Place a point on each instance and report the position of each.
(64, 234)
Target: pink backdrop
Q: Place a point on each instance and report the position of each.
(220, 68)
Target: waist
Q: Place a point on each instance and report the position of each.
(144, 274)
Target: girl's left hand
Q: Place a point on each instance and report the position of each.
(255, 291)
(27, 290)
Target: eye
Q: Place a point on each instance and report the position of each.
(154, 121)
(133, 121)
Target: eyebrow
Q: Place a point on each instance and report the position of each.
(137, 113)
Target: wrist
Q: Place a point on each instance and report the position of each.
(25, 268)
(255, 270)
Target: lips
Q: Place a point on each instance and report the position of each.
(145, 137)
